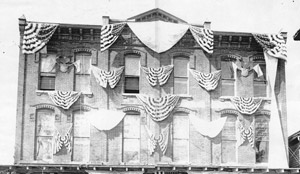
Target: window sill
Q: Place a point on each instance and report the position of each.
(40, 92)
(226, 98)
(129, 95)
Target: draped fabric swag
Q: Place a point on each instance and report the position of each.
(246, 105)
(208, 128)
(36, 36)
(245, 71)
(204, 38)
(63, 140)
(158, 75)
(162, 140)
(64, 99)
(274, 48)
(109, 34)
(208, 81)
(111, 77)
(104, 119)
(158, 108)
(245, 133)
(159, 36)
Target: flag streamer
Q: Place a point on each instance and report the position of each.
(204, 37)
(246, 133)
(246, 105)
(109, 34)
(111, 77)
(60, 141)
(162, 140)
(64, 99)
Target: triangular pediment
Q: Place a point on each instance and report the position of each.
(156, 15)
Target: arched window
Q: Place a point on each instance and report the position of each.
(132, 73)
(82, 78)
(229, 140)
(181, 133)
(131, 137)
(47, 72)
(181, 75)
(81, 137)
(44, 134)
(261, 138)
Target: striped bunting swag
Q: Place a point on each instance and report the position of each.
(109, 34)
(158, 75)
(246, 133)
(246, 105)
(162, 140)
(274, 44)
(111, 77)
(60, 141)
(159, 108)
(36, 36)
(208, 81)
(204, 38)
(64, 99)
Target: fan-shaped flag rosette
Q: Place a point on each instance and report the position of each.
(208, 81)
(246, 105)
(158, 75)
(159, 108)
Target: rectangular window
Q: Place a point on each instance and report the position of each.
(81, 138)
(181, 138)
(132, 74)
(227, 77)
(131, 149)
(260, 83)
(181, 75)
(261, 139)
(44, 134)
(229, 140)
(47, 72)
(82, 78)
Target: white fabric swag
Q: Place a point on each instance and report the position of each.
(63, 140)
(208, 128)
(158, 75)
(246, 105)
(104, 119)
(245, 71)
(162, 140)
(111, 77)
(208, 81)
(64, 99)
(36, 36)
(159, 36)
(109, 34)
(245, 133)
(158, 108)
(204, 38)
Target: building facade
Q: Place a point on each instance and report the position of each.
(122, 98)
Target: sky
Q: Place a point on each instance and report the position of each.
(258, 16)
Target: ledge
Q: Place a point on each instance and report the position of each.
(40, 92)
(226, 98)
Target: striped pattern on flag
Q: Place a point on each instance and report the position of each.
(162, 140)
(111, 77)
(246, 105)
(246, 133)
(109, 34)
(36, 36)
(158, 75)
(208, 81)
(204, 37)
(64, 99)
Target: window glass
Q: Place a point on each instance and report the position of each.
(132, 72)
(180, 137)
(260, 83)
(44, 134)
(229, 140)
(180, 75)
(261, 139)
(47, 72)
(131, 138)
(82, 78)
(227, 76)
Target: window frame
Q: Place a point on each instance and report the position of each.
(187, 116)
(234, 141)
(229, 81)
(46, 74)
(87, 75)
(266, 116)
(136, 56)
(138, 115)
(261, 82)
(180, 56)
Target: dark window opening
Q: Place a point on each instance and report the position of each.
(132, 85)
(47, 83)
